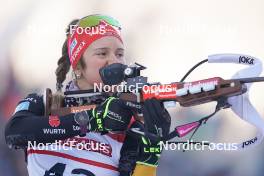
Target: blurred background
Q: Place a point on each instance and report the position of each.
(168, 37)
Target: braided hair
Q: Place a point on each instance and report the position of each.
(62, 70)
(64, 61)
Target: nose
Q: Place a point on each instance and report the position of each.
(113, 59)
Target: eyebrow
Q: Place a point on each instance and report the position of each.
(105, 48)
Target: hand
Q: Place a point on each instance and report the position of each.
(157, 124)
(137, 155)
(157, 120)
(141, 144)
(112, 115)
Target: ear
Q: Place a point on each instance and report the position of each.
(78, 69)
(77, 72)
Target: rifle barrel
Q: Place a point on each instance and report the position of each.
(251, 80)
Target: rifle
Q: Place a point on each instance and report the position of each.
(185, 93)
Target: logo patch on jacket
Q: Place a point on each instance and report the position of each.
(24, 106)
(54, 121)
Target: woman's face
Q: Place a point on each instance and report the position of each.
(102, 52)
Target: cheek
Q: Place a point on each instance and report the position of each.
(91, 73)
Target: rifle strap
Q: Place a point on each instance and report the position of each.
(241, 104)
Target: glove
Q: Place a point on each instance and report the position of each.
(140, 153)
(148, 152)
(156, 125)
(133, 159)
(112, 115)
(157, 120)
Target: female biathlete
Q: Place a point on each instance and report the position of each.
(91, 43)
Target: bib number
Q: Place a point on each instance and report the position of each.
(59, 168)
